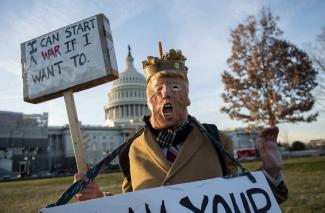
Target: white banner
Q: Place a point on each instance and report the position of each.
(73, 55)
(213, 195)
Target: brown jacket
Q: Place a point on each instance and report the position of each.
(197, 160)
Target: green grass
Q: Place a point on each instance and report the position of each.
(305, 178)
(31, 195)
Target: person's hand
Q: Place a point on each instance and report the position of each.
(91, 191)
(269, 152)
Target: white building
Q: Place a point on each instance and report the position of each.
(244, 143)
(98, 141)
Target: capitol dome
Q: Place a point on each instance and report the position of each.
(127, 99)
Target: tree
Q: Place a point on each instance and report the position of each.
(270, 80)
(317, 53)
(298, 146)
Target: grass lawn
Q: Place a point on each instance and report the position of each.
(305, 178)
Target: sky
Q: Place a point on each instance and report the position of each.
(201, 29)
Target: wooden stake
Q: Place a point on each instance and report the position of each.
(76, 136)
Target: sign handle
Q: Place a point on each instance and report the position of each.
(75, 132)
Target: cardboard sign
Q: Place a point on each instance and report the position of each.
(75, 57)
(213, 195)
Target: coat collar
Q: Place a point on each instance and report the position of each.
(155, 151)
(191, 145)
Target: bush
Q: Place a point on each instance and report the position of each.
(298, 146)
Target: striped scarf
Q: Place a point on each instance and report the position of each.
(167, 137)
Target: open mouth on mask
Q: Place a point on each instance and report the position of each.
(168, 109)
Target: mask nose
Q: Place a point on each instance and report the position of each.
(166, 92)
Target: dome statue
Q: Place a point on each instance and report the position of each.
(127, 102)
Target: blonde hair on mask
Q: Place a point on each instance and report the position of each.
(169, 74)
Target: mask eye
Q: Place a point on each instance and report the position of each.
(176, 88)
(158, 88)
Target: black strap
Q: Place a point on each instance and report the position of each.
(213, 131)
(243, 171)
(123, 156)
(91, 174)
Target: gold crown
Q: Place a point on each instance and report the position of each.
(172, 60)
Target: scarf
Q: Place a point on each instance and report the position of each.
(167, 137)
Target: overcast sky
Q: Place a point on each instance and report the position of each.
(201, 29)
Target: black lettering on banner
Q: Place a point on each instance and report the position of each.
(186, 202)
(67, 31)
(267, 206)
(79, 28)
(74, 59)
(86, 26)
(32, 59)
(92, 23)
(33, 48)
(86, 38)
(245, 203)
(218, 199)
(58, 66)
(74, 29)
(79, 59)
(46, 73)
(42, 42)
(147, 208)
(162, 208)
(233, 200)
(50, 39)
(55, 38)
(70, 45)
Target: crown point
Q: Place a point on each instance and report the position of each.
(171, 60)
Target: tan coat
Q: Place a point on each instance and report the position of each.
(197, 160)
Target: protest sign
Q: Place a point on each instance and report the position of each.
(237, 194)
(75, 57)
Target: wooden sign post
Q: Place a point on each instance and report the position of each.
(77, 139)
(70, 59)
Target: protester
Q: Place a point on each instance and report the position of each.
(174, 147)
